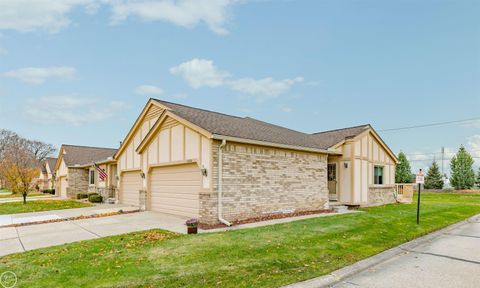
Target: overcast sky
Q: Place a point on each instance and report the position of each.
(80, 71)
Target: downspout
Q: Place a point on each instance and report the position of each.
(220, 184)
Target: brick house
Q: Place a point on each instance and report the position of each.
(197, 163)
(76, 172)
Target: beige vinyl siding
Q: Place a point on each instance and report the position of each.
(130, 185)
(175, 189)
(175, 143)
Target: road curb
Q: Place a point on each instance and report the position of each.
(362, 265)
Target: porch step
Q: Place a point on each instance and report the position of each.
(340, 208)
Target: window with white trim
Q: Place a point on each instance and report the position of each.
(91, 178)
(378, 175)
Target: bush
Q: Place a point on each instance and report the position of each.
(95, 198)
(49, 191)
(82, 196)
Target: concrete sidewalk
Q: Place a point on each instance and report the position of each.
(446, 258)
(24, 238)
(22, 218)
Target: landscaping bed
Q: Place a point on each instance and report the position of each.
(269, 256)
(39, 205)
(266, 217)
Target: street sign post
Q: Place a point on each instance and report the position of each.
(419, 179)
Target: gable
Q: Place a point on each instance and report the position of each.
(127, 156)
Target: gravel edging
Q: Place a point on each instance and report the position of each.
(337, 276)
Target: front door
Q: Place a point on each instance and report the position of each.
(332, 181)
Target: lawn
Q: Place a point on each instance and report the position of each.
(261, 257)
(39, 205)
(4, 195)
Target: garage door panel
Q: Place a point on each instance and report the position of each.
(131, 183)
(175, 190)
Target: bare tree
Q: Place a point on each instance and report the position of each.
(40, 150)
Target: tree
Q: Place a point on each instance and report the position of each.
(403, 173)
(19, 168)
(477, 180)
(40, 150)
(434, 179)
(463, 176)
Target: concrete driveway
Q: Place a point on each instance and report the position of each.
(451, 260)
(24, 238)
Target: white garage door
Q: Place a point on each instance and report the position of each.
(175, 190)
(62, 189)
(131, 184)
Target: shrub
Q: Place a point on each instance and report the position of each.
(95, 198)
(82, 196)
(49, 191)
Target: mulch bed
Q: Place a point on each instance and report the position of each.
(100, 215)
(205, 226)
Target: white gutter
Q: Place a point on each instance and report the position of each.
(220, 184)
(277, 145)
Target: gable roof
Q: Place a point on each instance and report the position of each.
(242, 127)
(74, 155)
(51, 162)
(329, 138)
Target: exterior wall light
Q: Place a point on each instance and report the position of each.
(345, 165)
(142, 175)
(204, 172)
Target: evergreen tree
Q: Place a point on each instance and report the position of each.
(463, 176)
(433, 180)
(403, 173)
(477, 182)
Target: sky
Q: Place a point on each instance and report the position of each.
(80, 71)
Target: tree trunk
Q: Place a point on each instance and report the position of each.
(24, 198)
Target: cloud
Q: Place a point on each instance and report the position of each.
(200, 73)
(38, 75)
(203, 73)
(73, 110)
(185, 13)
(473, 145)
(148, 90)
(27, 15)
(53, 16)
(268, 87)
(287, 109)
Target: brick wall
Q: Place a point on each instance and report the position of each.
(77, 181)
(261, 180)
(380, 195)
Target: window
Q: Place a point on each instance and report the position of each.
(91, 177)
(378, 175)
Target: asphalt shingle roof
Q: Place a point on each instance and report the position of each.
(249, 128)
(332, 137)
(51, 162)
(83, 155)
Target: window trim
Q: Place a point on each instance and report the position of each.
(381, 177)
(91, 177)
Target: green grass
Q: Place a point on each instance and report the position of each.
(261, 257)
(39, 205)
(20, 195)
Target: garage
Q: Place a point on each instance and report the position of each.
(131, 184)
(175, 189)
(62, 187)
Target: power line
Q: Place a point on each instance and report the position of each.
(429, 125)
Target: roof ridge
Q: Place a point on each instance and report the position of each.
(283, 127)
(82, 146)
(206, 110)
(358, 126)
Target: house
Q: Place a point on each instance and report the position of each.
(77, 170)
(46, 178)
(221, 168)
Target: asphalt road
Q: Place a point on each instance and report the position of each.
(451, 260)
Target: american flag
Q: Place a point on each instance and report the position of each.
(101, 173)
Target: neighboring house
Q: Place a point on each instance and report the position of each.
(45, 179)
(76, 170)
(197, 163)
